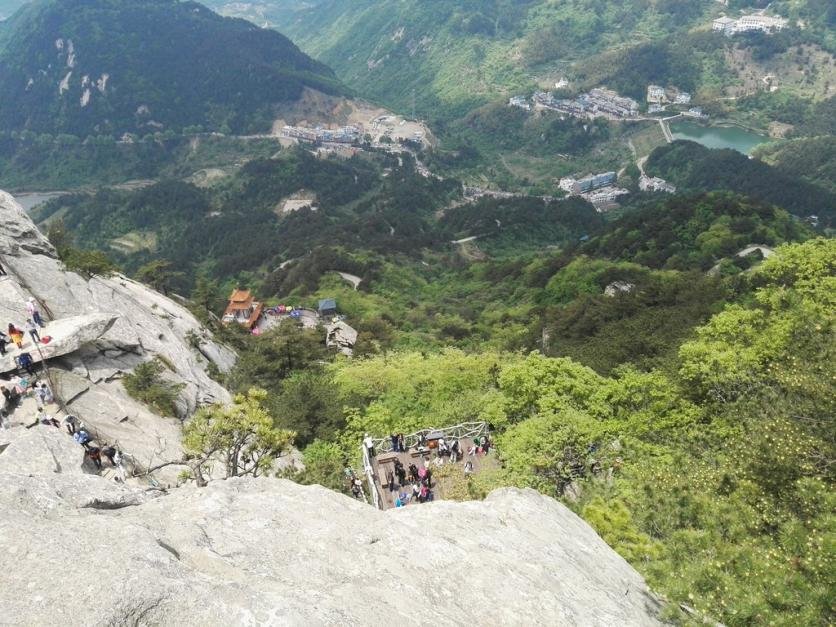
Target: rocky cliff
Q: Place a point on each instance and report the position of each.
(82, 550)
(103, 328)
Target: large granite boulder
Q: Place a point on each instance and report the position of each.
(67, 335)
(121, 323)
(268, 551)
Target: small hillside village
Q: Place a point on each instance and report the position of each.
(598, 102)
(383, 129)
(254, 316)
(607, 104)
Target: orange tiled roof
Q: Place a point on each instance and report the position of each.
(240, 296)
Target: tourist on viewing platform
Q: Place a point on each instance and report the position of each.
(16, 335)
(401, 472)
(424, 495)
(413, 473)
(4, 339)
(455, 451)
(369, 444)
(394, 439)
(486, 445)
(34, 312)
(33, 331)
(401, 443)
(390, 480)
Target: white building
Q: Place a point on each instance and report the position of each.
(521, 102)
(765, 23)
(725, 25)
(656, 94)
(567, 183)
(655, 184)
(746, 23)
(683, 97)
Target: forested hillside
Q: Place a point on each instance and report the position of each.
(456, 56)
(651, 367)
(812, 159)
(106, 68)
(695, 168)
(662, 362)
(700, 449)
(713, 477)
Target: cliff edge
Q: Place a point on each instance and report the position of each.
(103, 327)
(84, 550)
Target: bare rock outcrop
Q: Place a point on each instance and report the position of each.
(136, 324)
(268, 551)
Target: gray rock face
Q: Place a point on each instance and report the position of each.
(266, 551)
(67, 336)
(143, 324)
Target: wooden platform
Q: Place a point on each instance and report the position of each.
(386, 461)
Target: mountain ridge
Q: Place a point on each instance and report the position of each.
(89, 68)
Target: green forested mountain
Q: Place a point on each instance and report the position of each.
(106, 67)
(454, 55)
(684, 391)
(665, 367)
(797, 188)
(448, 57)
(811, 159)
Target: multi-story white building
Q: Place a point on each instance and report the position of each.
(656, 94)
(725, 25)
(765, 23)
(683, 97)
(521, 102)
(747, 23)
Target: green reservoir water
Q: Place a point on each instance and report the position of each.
(717, 136)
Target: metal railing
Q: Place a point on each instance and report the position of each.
(369, 470)
(455, 432)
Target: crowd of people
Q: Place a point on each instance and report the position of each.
(414, 483)
(28, 383)
(18, 386)
(15, 334)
